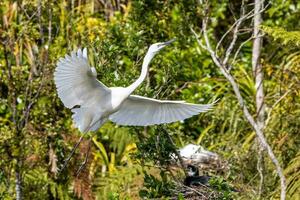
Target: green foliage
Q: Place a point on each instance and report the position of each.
(285, 115)
(119, 184)
(156, 187)
(293, 174)
(291, 38)
(219, 184)
(157, 149)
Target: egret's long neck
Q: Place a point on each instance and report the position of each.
(144, 72)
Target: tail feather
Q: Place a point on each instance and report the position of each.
(86, 120)
(96, 125)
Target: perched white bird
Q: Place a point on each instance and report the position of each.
(196, 153)
(93, 103)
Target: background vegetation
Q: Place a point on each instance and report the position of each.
(36, 131)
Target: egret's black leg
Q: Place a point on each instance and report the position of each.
(85, 159)
(71, 154)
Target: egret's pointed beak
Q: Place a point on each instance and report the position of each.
(163, 44)
(169, 42)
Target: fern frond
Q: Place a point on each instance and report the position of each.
(293, 180)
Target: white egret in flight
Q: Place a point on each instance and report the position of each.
(93, 103)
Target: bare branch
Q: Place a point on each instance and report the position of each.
(39, 15)
(208, 45)
(260, 11)
(239, 49)
(238, 21)
(275, 104)
(197, 38)
(235, 35)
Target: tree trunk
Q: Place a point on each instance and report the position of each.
(259, 97)
(257, 67)
(18, 182)
(258, 77)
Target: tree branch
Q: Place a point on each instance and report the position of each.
(235, 35)
(239, 49)
(275, 104)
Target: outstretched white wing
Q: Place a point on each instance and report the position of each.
(142, 111)
(76, 81)
(77, 85)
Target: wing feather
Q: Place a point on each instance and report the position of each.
(142, 111)
(74, 81)
(76, 84)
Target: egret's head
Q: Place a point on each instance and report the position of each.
(155, 48)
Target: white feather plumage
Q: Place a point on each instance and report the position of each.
(93, 103)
